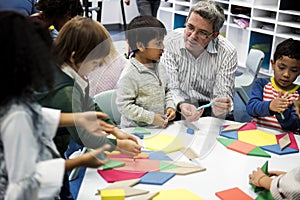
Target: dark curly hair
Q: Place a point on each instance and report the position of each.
(60, 8)
(25, 57)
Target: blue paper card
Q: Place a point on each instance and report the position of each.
(158, 155)
(156, 178)
(276, 149)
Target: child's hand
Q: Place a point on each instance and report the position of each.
(279, 104)
(170, 114)
(159, 120)
(128, 147)
(257, 177)
(119, 134)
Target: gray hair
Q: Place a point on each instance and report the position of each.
(210, 11)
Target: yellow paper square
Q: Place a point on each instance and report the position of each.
(164, 142)
(176, 194)
(257, 137)
(112, 194)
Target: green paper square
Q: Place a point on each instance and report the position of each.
(141, 131)
(112, 164)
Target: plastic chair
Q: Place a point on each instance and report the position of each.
(107, 102)
(244, 82)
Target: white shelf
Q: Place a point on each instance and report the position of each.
(268, 25)
(265, 19)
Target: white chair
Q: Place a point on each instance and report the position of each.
(244, 82)
(107, 102)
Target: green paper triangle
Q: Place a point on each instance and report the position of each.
(265, 195)
(258, 152)
(226, 141)
(141, 131)
(166, 166)
(264, 168)
(112, 164)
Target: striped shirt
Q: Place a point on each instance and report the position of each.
(270, 92)
(208, 76)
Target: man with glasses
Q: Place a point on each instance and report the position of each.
(201, 64)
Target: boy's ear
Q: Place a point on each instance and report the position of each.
(273, 64)
(140, 46)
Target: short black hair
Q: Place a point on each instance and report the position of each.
(143, 29)
(288, 47)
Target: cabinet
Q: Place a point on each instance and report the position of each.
(249, 24)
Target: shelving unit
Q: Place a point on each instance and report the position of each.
(269, 23)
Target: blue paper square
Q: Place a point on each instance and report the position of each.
(156, 178)
(158, 155)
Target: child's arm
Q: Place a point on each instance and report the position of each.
(260, 179)
(256, 107)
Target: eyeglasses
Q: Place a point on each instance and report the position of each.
(200, 33)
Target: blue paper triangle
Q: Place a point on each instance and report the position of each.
(230, 134)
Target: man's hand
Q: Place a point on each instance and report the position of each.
(221, 106)
(190, 112)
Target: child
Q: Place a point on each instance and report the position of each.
(270, 102)
(81, 44)
(143, 95)
(31, 167)
(285, 185)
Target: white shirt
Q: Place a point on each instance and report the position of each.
(208, 76)
(32, 172)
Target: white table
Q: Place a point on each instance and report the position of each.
(224, 168)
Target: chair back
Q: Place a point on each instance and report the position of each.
(106, 100)
(254, 61)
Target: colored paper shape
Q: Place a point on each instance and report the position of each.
(241, 147)
(113, 175)
(257, 137)
(233, 194)
(125, 183)
(264, 168)
(258, 152)
(185, 171)
(176, 194)
(156, 178)
(164, 142)
(114, 194)
(276, 149)
(233, 127)
(141, 165)
(284, 141)
(265, 195)
(226, 141)
(141, 155)
(140, 130)
(112, 164)
(293, 144)
(189, 153)
(230, 134)
(158, 155)
(167, 166)
(128, 191)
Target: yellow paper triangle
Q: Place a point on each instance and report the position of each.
(164, 142)
(257, 137)
(176, 194)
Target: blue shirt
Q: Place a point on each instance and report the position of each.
(25, 7)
